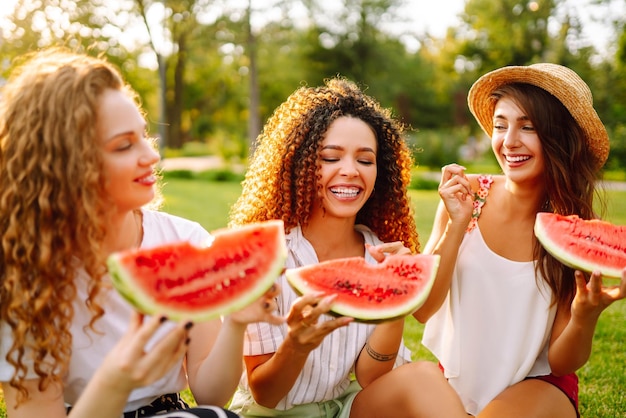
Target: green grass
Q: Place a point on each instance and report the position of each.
(602, 379)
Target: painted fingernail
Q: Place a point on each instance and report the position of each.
(188, 325)
(162, 319)
(187, 341)
(266, 305)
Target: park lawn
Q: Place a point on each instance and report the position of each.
(602, 379)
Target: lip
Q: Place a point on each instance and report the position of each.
(147, 179)
(514, 160)
(345, 191)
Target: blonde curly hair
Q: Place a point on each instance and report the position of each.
(53, 207)
(281, 181)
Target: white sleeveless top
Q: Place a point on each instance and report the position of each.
(493, 329)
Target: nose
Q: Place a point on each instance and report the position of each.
(510, 139)
(149, 155)
(349, 169)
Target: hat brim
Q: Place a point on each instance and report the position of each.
(561, 82)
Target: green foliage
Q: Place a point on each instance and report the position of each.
(436, 148)
(210, 70)
(225, 174)
(525, 26)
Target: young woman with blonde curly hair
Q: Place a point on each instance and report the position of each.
(335, 167)
(76, 171)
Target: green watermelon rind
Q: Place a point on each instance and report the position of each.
(143, 303)
(369, 315)
(568, 258)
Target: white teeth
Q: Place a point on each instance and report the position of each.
(517, 159)
(346, 192)
(147, 179)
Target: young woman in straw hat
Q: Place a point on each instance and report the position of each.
(516, 324)
(76, 170)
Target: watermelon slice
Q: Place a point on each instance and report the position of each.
(198, 283)
(370, 292)
(585, 245)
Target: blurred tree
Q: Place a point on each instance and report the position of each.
(506, 32)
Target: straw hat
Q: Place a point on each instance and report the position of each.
(561, 82)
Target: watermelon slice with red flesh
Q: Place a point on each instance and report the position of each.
(586, 245)
(184, 281)
(370, 292)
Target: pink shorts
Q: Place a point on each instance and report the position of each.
(568, 384)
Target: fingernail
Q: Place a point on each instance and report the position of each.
(329, 298)
(266, 305)
(188, 325)
(187, 341)
(162, 319)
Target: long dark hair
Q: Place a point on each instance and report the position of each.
(571, 173)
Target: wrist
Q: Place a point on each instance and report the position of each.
(229, 322)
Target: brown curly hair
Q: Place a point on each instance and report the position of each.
(53, 208)
(281, 181)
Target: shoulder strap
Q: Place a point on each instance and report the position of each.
(480, 198)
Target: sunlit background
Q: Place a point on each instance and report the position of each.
(210, 72)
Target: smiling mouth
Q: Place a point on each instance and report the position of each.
(345, 192)
(516, 159)
(149, 179)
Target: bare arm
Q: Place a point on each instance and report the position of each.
(451, 220)
(271, 376)
(124, 369)
(214, 358)
(574, 327)
(380, 352)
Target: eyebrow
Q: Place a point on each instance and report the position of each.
(119, 135)
(337, 147)
(519, 119)
(130, 132)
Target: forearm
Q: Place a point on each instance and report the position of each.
(101, 398)
(380, 352)
(272, 380)
(571, 350)
(216, 378)
(447, 248)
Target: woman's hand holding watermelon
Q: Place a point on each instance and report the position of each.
(261, 310)
(130, 365)
(592, 297)
(380, 251)
(305, 332)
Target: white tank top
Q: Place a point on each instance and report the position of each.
(493, 328)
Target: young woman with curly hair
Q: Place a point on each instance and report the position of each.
(76, 171)
(335, 167)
